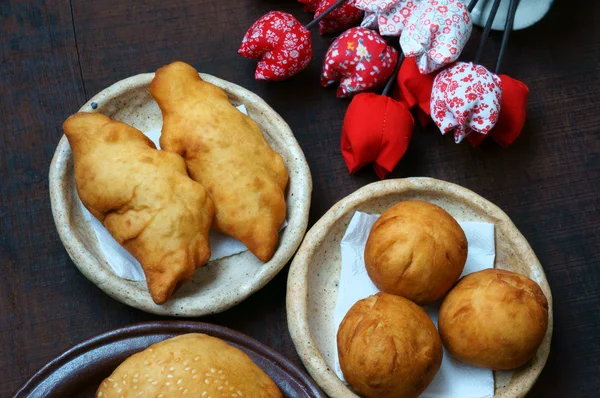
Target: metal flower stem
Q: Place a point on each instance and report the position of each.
(510, 20)
(486, 30)
(472, 5)
(392, 79)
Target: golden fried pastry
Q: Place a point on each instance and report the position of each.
(143, 197)
(494, 319)
(416, 250)
(388, 347)
(190, 365)
(226, 152)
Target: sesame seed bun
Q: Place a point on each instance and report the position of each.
(194, 365)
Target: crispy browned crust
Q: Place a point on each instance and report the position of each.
(388, 347)
(144, 198)
(416, 250)
(226, 152)
(494, 319)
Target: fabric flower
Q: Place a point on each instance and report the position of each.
(370, 21)
(414, 89)
(360, 59)
(465, 98)
(388, 16)
(436, 33)
(513, 112)
(377, 129)
(281, 45)
(342, 18)
(310, 5)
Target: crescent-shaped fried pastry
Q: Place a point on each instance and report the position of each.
(226, 152)
(144, 198)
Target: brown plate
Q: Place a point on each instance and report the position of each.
(79, 371)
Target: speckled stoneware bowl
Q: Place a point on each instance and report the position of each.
(222, 283)
(315, 271)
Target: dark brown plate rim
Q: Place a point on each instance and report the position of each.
(247, 344)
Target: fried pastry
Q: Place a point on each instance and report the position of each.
(226, 152)
(388, 347)
(416, 250)
(190, 365)
(143, 197)
(494, 319)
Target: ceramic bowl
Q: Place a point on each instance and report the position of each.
(314, 274)
(220, 284)
(79, 371)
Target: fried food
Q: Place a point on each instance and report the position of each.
(226, 152)
(194, 365)
(416, 250)
(494, 319)
(388, 347)
(143, 197)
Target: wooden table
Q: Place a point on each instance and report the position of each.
(54, 55)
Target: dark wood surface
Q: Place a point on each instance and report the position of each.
(56, 54)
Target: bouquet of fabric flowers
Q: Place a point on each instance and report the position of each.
(425, 78)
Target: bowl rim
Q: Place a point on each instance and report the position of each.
(117, 287)
(167, 328)
(297, 287)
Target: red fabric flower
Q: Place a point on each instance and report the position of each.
(377, 129)
(360, 59)
(310, 5)
(513, 112)
(414, 88)
(342, 18)
(281, 45)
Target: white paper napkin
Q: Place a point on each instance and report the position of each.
(454, 379)
(126, 266)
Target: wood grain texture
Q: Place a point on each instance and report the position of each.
(40, 78)
(548, 182)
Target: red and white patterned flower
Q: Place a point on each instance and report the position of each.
(436, 33)
(465, 98)
(281, 45)
(342, 18)
(370, 20)
(391, 15)
(360, 59)
(374, 5)
(394, 19)
(513, 113)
